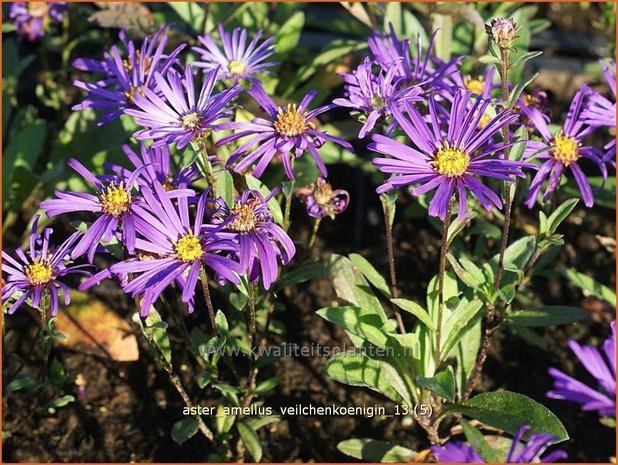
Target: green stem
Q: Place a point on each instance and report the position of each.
(391, 264)
(442, 271)
(314, 234)
(287, 209)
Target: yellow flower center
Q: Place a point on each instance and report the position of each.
(484, 121)
(566, 149)
(236, 67)
(323, 194)
(191, 121)
(290, 122)
(128, 64)
(116, 200)
(188, 248)
(39, 273)
(130, 94)
(378, 102)
(475, 86)
(450, 162)
(37, 9)
(246, 219)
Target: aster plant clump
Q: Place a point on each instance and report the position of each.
(204, 169)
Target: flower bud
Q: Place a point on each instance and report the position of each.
(502, 31)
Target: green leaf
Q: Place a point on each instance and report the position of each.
(251, 440)
(358, 370)
(519, 88)
(156, 330)
(466, 351)
(191, 13)
(23, 151)
(416, 310)
(224, 187)
(305, 272)
(444, 40)
(525, 57)
(370, 450)
(184, 429)
(357, 321)
(458, 225)
(223, 422)
(57, 375)
(462, 318)
(546, 316)
(442, 383)
(490, 60)
(267, 385)
(288, 35)
(351, 286)
(389, 205)
(372, 275)
(21, 382)
(560, 214)
(479, 444)
(589, 285)
(509, 411)
(256, 423)
(470, 274)
(59, 402)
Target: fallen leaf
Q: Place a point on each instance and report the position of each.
(91, 326)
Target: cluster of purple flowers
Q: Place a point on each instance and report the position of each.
(169, 232)
(32, 20)
(529, 451)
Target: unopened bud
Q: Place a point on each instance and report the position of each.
(502, 31)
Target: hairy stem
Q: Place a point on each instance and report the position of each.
(286, 210)
(492, 320)
(391, 264)
(442, 271)
(206, 292)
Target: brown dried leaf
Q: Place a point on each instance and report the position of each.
(91, 326)
(124, 15)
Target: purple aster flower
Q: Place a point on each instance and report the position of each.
(157, 168)
(40, 271)
(237, 59)
(177, 248)
(260, 239)
(183, 117)
(32, 19)
(481, 85)
(125, 74)
(114, 206)
(374, 95)
(532, 107)
(601, 112)
(603, 369)
(562, 151)
(528, 452)
(321, 200)
(450, 159)
(288, 131)
(424, 70)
